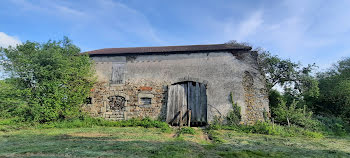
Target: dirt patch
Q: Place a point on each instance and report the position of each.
(204, 136)
(171, 135)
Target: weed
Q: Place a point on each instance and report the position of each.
(274, 129)
(187, 130)
(234, 116)
(215, 136)
(92, 122)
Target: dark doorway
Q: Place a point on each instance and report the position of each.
(187, 97)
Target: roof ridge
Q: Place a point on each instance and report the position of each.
(168, 49)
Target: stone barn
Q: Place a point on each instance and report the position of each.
(175, 83)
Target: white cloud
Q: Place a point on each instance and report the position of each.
(6, 40)
(306, 31)
(249, 26)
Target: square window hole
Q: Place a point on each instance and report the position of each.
(146, 101)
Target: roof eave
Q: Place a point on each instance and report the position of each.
(165, 52)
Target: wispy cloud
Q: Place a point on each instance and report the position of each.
(99, 18)
(6, 40)
(249, 26)
(307, 31)
(122, 18)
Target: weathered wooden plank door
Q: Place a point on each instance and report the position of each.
(187, 96)
(177, 103)
(197, 103)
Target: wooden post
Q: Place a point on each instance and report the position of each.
(180, 121)
(189, 118)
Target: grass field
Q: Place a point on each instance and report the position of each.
(152, 142)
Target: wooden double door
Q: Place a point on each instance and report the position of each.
(187, 100)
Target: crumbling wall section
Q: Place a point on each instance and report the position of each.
(255, 93)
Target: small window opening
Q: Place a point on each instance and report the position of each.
(146, 101)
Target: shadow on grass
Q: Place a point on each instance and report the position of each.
(42, 145)
(73, 146)
(274, 150)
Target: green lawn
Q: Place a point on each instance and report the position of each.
(151, 142)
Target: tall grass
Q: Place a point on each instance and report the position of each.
(271, 129)
(86, 122)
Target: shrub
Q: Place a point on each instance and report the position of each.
(10, 99)
(333, 125)
(288, 115)
(53, 79)
(187, 130)
(216, 124)
(10, 124)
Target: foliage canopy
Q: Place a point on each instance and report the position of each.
(335, 91)
(51, 80)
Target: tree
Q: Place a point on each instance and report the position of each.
(335, 91)
(286, 73)
(297, 81)
(53, 77)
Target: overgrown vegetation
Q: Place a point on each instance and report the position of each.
(47, 82)
(84, 122)
(307, 101)
(269, 128)
(234, 116)
(335, 91)
(187, 130)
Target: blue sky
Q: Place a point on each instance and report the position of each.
(304, 30)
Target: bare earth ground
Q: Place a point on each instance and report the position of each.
(151, 142)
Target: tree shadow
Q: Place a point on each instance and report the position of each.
(42, 145)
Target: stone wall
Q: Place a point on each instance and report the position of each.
(124, 101)
(141, 77)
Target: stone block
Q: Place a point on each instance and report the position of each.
(145, 88)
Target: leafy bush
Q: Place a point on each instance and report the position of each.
(11, 124)
(333, 125)
(187, 130)
(10, 99)
(288, 115)
(51, 80)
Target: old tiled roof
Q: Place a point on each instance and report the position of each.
(169, 49)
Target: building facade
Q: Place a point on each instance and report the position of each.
(175, 83)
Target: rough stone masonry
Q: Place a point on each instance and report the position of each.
(136, 82)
